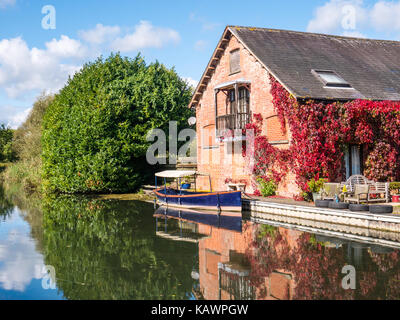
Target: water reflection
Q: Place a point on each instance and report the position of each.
(107, 249)
(261, 261)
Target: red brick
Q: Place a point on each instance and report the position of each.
(260, 102)
(280, 286)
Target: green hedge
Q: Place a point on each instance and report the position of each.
(94, 131)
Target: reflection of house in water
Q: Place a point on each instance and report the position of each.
(224, 271)
(234, 278)
(178, 229)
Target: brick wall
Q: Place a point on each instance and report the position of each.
(214, 157)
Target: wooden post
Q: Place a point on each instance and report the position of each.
(165, 190)
(236, 106)
(216, 110)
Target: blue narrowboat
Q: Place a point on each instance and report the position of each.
(217, 200)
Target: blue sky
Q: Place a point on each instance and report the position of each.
(177, 33)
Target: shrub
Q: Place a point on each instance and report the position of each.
(395, 187)
(6, 136)
(268, 186)
(94, 133)
(27, 148)
(315, 186)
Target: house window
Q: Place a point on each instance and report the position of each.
(353, 160)
(330, 79)
(234, 61)
(244, 101)
(237, 109)
(243, 104)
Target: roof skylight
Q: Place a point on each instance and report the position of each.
(331, 79)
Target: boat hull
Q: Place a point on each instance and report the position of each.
(226, 220)
(225, 201)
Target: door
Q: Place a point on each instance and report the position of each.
(353, 160)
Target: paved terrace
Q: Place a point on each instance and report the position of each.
(305, 213)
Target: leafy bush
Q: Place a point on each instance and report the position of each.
(27, 148)
(268, 186)
(316, 185)
(94, 133)
(6, 136)
(395, 187)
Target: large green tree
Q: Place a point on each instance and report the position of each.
(94, 132)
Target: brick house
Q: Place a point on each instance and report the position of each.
(235, 85)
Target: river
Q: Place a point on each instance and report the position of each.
(85, 248)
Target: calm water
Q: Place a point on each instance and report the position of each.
(96, 249)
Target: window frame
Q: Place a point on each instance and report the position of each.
(238, 68)
(334, 85)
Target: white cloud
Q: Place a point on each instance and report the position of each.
(337, 15)
(6, 3)
(23, 69)
(19, 261)
(66, 48)
(145, 36)
(16, 119)
(191, 81)
(385, 16)
(100, 34)
(350, 17)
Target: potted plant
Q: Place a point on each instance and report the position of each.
(315, 187)
(394, 188)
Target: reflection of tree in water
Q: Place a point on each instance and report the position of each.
(316, 268)
(107, 250)
(6, 206)
(30, 209)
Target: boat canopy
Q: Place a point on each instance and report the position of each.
(175, 173)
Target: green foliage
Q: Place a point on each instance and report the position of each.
(268, 186)
(6, 136)
(267, 230)
(27, 147)
(6, 206)
(395, 186)
(94, 133)
(316, 185)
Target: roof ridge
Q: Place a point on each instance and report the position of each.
(312, 33)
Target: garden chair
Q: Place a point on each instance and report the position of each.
(330, 190)
(360, 194)
(376, 189)
(355, 179)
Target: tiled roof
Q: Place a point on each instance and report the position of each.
(371, 67)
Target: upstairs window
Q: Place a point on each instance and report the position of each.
(330, 79)
(243, 103)
(234, 61)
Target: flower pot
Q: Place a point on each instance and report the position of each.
(396, 198)
(316, 196)
(185, 186)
